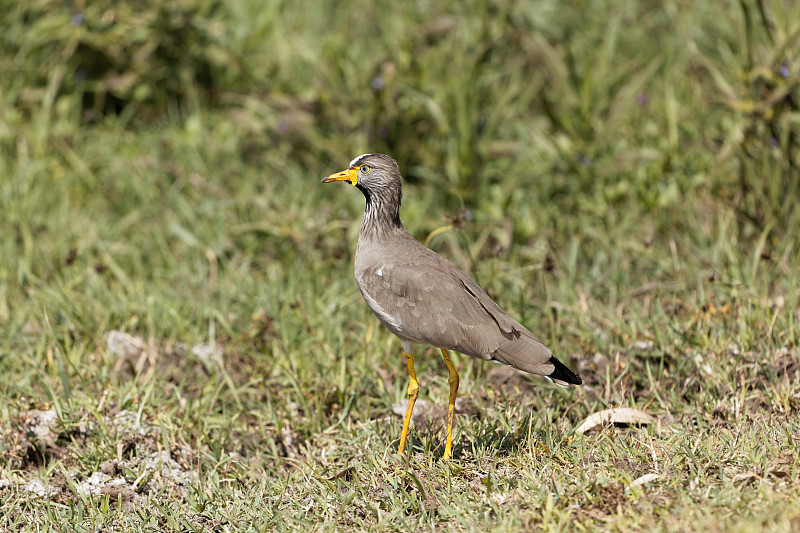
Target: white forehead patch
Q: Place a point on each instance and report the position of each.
(354, 161)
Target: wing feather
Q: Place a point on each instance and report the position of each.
(435, 303)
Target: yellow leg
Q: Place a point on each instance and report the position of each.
(451, 408)
(413, 389)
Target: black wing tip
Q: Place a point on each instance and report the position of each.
(563, 373)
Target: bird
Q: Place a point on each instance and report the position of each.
(424, 299)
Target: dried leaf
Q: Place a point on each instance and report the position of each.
(780, 474)
(746, 478)
(617, 416)
(348, 474)
(424, 412)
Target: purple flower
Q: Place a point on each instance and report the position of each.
(77, 19)
(377, 83)
(642, 98)
(784, 70)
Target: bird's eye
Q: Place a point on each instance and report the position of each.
(364, 169)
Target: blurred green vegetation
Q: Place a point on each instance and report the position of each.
(637, 109)
(614, 172)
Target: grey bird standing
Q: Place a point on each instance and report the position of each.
(424, 299)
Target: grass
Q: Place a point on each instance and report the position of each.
(619, 177)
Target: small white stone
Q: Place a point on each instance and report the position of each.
(93, 484)
(205, 351)
(37, 488)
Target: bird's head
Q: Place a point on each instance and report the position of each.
(370, 173)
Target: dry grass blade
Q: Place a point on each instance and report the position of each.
(642, 480)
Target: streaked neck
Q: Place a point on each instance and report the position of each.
(382, 214)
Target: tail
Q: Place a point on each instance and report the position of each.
(529, 354)
(562, 375)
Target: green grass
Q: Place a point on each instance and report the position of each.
(621, 177)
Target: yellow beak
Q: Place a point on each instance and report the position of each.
(350, 175)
